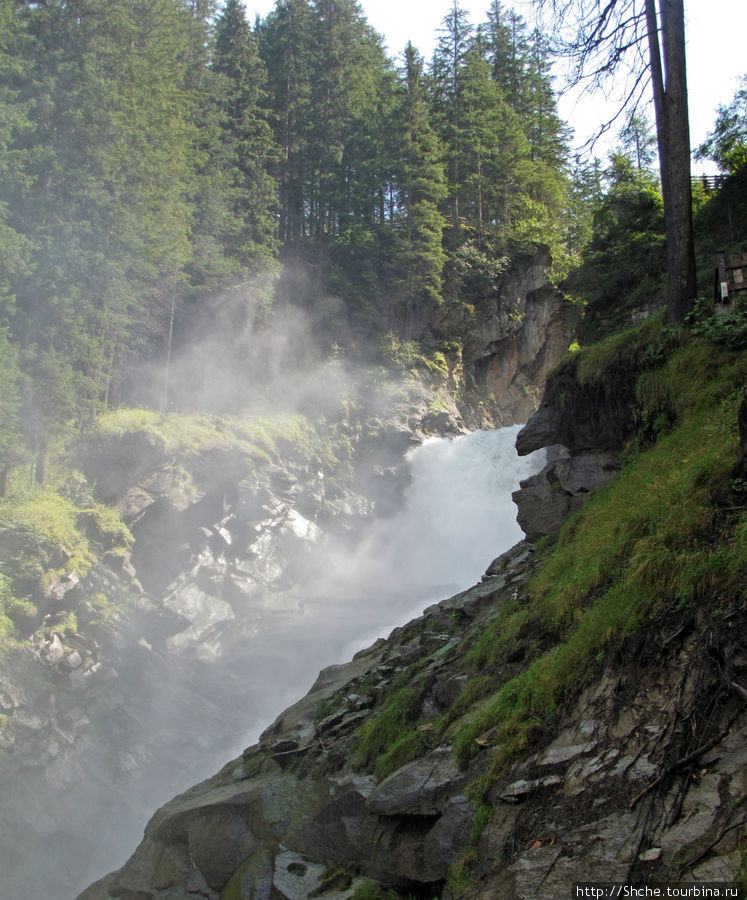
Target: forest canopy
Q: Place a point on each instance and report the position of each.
(167, 164)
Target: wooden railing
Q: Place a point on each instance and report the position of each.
(710, 182)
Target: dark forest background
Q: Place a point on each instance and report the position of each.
(165, 164)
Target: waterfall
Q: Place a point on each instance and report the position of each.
(457, 516)
(184, 717)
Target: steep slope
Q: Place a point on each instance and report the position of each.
(577, 716)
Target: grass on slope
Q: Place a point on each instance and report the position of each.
(669, 531)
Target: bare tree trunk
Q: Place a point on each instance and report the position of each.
(167, 372)
(669, 78)
(42, 455)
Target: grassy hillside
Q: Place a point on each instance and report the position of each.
(667, 537)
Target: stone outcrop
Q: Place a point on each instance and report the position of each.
(640, 777)
(512, 338)
(545, 500)
(128, 707)
(585, 422)
(607, 796)
(216, 534)
(296, 791)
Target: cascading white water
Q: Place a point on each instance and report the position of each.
(457, 516)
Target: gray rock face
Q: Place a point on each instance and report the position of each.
(545, 500)
(419, 788)
(597, 800)
(514, 338)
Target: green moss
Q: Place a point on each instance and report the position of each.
(379, 736)
(409, 746)
(197, 433)
(333, 880)
(41, 540)
(624, 349)
(372, 890)
(104, 524)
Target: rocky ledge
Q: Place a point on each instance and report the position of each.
(383, 772)
(608, 795)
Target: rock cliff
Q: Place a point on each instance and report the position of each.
(408, 767)
(111, 697)
(512, 338)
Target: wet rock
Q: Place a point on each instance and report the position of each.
(448, 690)
(54, 651)
(61, 587)
(200, 609)
(218, 842)
(444, 843)
(519, 790)
(547, 499)
(11, 694)
(560, 754)
(295, 877)
(73, 660)
(419, 788)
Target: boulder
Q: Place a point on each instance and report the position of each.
(546, 500)
(420, 788)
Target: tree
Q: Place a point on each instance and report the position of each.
(638, 141)
(447, 70)
(246, 137)
(286, 46)
(726, 145)
(624, 262)
(108, 162)
(421, 185)
(647, 36)
(507, 47)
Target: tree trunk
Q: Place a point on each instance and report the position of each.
(167, 369)
(4, 482)
(669, 79)
(40, 470)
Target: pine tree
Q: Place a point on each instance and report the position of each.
(421, 185)
(286, 46)
(507, 48)
(247, 136)
(108, 168)
(447, 69)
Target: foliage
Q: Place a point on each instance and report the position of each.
(657, 537)
(624, 264)
(139, 191)
(398, 353)
(727, 143)
(726, 330)
(372, 890)
(385, 742)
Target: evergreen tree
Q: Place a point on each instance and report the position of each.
(726, 145)
(447, 69)
(625, 263)
(421, 185)
(638, 141)
(348, 62)
(585, 197)
(506, 44)
(286, 45)
(247, 138)
(108, 166)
